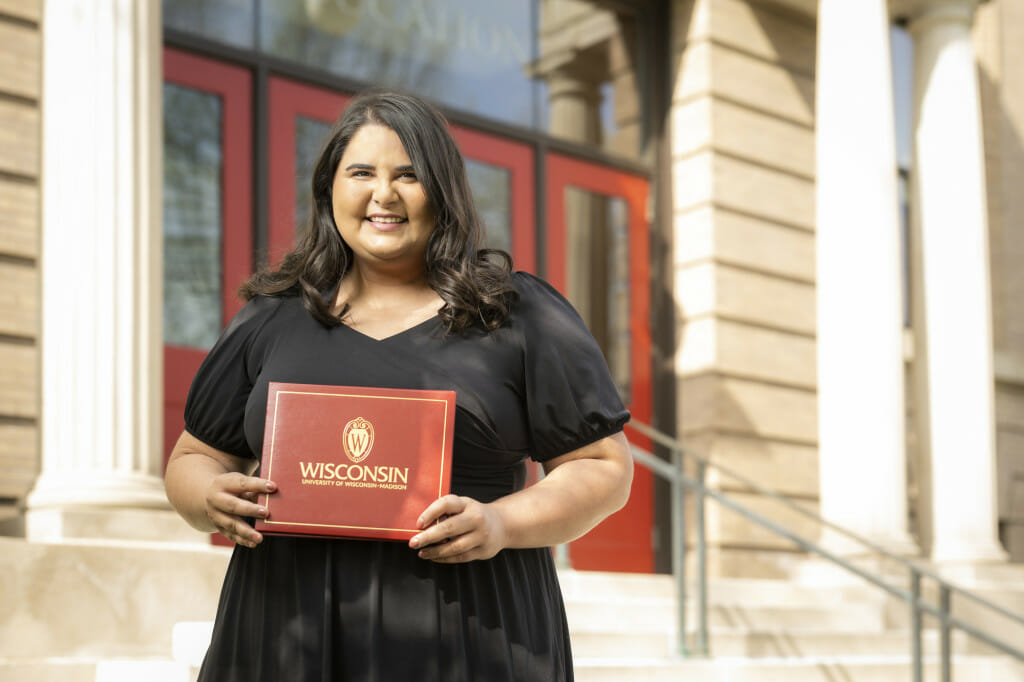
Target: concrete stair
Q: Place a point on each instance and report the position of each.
(137, 611)
(623, 628)
(826, 669)
(83, 669)
(101, 612)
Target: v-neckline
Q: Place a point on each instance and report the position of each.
(389, 337)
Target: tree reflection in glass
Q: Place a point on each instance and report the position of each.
(492, 193)
(310, 136)
(470, 54)
(225, 21)
(193, 165)
(597, 270)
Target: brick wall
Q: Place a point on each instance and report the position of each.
(742, 134)
(1000, 51)
(20, 151)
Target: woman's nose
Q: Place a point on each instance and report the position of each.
(383, 192)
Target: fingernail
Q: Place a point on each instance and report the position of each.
(271, 486)
(262, 511)
(415, 542)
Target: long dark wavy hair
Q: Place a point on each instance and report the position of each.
(473, 282)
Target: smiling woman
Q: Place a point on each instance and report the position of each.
(390, 288)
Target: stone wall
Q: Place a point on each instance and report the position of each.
(742, 137)
(20, 84)
(998, 26)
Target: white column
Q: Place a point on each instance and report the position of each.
(955, 352)
(101, 262)
(860, 354)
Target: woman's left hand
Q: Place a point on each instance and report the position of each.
(459, 529)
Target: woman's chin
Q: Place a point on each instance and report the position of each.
(410, 259)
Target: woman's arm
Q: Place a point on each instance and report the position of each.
(579, 490)
(213, 490)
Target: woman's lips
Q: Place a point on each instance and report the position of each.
(386, 223)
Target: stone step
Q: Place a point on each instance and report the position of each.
(581, 584)
(100, 602)
(821, 669)
(47, 670)
(190, 641)
(94, 670)
(791, 643)
(658, 615)
(595, 584)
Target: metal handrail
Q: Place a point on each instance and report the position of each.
(667, 441)
(675, 474)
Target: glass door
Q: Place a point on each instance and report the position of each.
(301, 118)
(597, 255)
(501, 178)
(207, 215)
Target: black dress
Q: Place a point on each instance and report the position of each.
(309, 609)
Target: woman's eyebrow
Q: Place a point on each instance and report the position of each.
(366, 166)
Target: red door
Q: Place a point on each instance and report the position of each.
(501, 175)
(597, 252)
(301, 117)
(207, 214)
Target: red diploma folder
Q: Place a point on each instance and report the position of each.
(354, 462)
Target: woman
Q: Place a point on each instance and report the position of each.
(389, 288)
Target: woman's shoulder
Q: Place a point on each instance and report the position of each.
(262, 305)
(522, 278)
(542, 311)
(258, 311)
(532, 286)
(537, 295)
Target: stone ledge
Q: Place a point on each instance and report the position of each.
(85, 670)
(103, 601)
(120, 525)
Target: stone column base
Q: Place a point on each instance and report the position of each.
(819, 572)
(968, 558)
(110, 524)
(895, 542)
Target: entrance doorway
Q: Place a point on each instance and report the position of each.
(598, 257)
(207, 215)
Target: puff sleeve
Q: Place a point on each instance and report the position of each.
(215, 407)
(571, 399)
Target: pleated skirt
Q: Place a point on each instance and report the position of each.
(318, 610)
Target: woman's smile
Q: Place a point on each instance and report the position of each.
(385, 222)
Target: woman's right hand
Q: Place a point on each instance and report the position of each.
(213, 490)
(230, 498)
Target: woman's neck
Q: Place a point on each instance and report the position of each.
(382, 286)
(381, 305)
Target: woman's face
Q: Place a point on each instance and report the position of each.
(380, 207)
